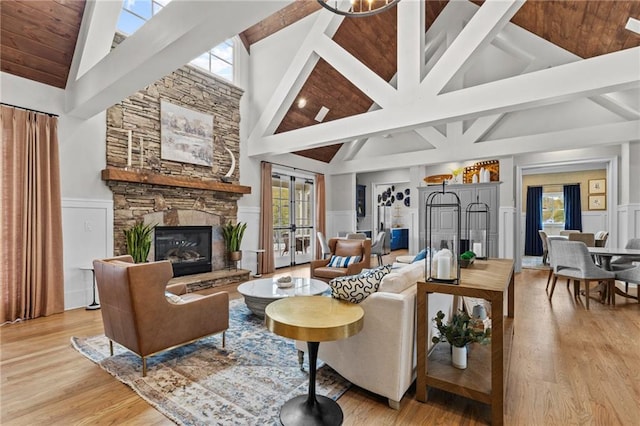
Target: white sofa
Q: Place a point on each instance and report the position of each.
(382, 357)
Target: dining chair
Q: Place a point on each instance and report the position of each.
(626, 262)
(566, 232)
(545, 248)
(550, 240)
(356, 236)
(573, 262)
(601, 238)
(377, 247)
(587, 238)
(324, 246)
(343, 234)
(631, 275)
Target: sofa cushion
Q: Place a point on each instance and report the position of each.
(356, 288)
(343, 261)
(403, 278)
(420, 256)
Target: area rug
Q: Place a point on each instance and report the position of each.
(245, 383)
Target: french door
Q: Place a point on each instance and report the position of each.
(293, 221)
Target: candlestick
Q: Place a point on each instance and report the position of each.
(129, 150)
(141, 151)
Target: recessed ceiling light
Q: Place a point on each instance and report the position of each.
(634, 25)
(322, 114)
(302, 102)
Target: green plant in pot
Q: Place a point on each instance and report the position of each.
(459, 332)
(138, 240)
(232, 235)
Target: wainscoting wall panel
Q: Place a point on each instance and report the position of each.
(87, 232)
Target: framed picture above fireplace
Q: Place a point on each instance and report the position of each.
(186, 135)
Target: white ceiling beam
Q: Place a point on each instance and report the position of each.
(411, 45)
(485, 24)
(594, 76)
(181, 31)
(294, 77)
(432, 136)
(603, 134)
(99, 22)
(370, 83)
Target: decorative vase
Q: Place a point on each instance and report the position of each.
(459, 357)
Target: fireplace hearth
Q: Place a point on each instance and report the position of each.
(188, 248)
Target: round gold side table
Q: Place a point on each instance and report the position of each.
(313, 319)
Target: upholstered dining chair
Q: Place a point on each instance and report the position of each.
(631, 275)
(356, 236)
(587, 238)
(601, 238)
(377, 248)
(626, 262)
(566, 232)
(573, 262)
(341, 249)
(545, 249)
(550, 240)
(324, 246)
(137, 314)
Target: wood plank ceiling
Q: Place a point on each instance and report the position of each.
(585, 28)
(38, 38)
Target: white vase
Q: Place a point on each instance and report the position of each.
(459, 357)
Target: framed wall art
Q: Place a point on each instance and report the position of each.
(186, 135)
(597, 202)
(597, 186)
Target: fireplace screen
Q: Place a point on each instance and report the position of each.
(187, 247)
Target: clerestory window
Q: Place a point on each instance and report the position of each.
(135, 13)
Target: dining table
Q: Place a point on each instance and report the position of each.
(607, 253)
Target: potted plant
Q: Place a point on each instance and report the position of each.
(138, 240)
(232, 235)
(459, 332)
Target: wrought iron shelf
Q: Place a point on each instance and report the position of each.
(144, 177)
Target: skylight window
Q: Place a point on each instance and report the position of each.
(135, 13)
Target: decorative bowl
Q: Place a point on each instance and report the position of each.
(284, 282)
(465, 263)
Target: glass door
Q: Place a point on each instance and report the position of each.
(293, 221)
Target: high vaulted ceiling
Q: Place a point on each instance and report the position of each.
(38, 40)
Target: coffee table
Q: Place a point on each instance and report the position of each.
(313, 319)
(259, 293)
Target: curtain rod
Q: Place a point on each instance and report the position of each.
(553, 184)
(30, 109)
(292, 168)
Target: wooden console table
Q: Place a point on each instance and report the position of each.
(485, 377)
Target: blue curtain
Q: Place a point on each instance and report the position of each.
(572, 207)
(532, 242)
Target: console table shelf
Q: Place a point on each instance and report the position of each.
(121, 175)
(484, 379)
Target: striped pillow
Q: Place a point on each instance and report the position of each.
(343, 262)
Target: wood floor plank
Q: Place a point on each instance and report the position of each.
(568, 366)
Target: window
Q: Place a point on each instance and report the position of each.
(553, 208)
(135, 13)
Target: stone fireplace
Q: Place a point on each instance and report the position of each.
(188, 248)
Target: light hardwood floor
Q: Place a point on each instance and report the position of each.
(568, 366)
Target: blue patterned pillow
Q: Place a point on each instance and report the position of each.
(356, 288)
(343, 262)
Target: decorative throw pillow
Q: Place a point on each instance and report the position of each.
(343, 262)
(173, 298)
(356, 288)
(421, 255)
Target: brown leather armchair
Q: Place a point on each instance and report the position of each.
(342, 247)
(137, 315)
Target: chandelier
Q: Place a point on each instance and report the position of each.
(359, 7)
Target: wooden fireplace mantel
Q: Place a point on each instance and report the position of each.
(133, 176)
